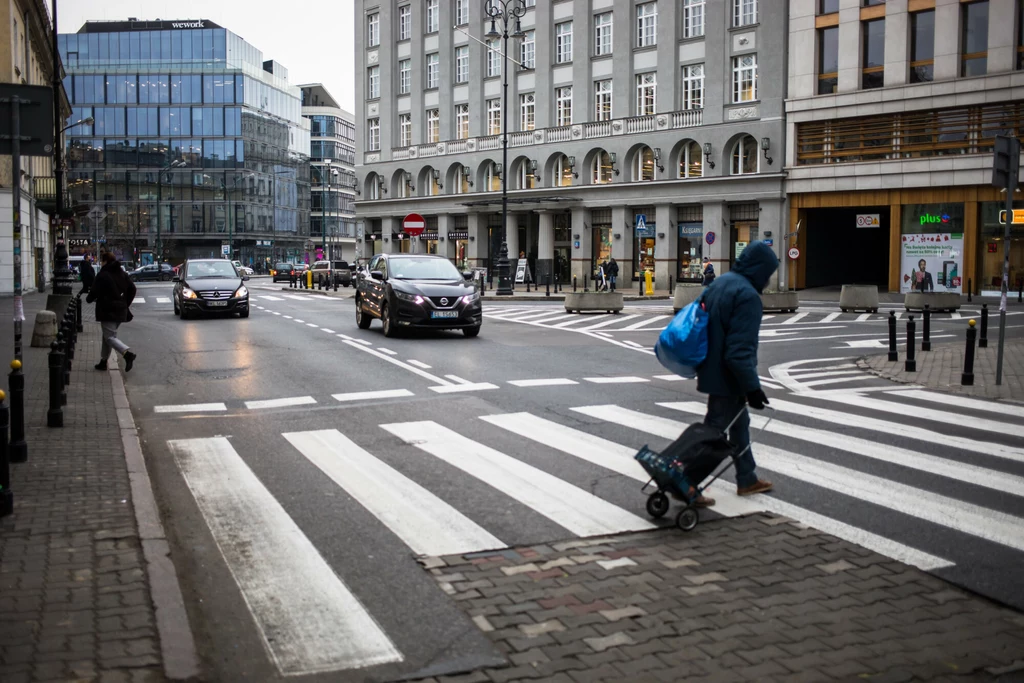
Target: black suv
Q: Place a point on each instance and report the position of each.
(408, 290)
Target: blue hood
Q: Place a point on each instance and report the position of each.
(757, 263)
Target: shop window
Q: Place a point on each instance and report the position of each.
(744, 156)
(744, 223)
(492, 181)
(873, 70)
(691, 161)
(643, 164)
(932, 247)
(974, 38)
(828, 60)
(564, 169)
(991, 246)
(527, 175)
(690, 222)
(643, 241)
(922, 46)
(601, 238)
(601, 168)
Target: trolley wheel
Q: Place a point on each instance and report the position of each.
(843, 310)
(657, 505)
(687, 519)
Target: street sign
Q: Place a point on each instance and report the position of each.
(225, 249)
(709, 238)
(794, 253)
(35, 128)
(770, 242)
(413, 225)
(869, 220)
(1018, 217)
(641, 222)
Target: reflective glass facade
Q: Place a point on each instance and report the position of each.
(196, 143)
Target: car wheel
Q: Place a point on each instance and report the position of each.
(471, 331)
(363, 319)
(244, 314)
(390, 330)
(184, 313)
(177, 310)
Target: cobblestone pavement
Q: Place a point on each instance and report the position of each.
(75, 602)
(757, 598)
(941, 369)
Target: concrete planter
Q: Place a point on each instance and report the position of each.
(686, 294)
(578, 302)
(937, 301)
(780, 302)
(44, 332)
(859, 298)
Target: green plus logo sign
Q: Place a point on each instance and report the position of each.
(934, 218)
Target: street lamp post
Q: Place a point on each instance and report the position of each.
(505, 11)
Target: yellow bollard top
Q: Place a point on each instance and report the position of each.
(15, 364)
(971, 322)
(2, 395)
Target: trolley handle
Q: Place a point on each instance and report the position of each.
(759, 431)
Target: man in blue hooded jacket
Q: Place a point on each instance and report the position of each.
(729, 373)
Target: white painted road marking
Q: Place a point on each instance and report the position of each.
(605, 323)
(271, 298)
(919, 413)
(961, 401)
(368, 395)
(863, 316)
(616, 380)
(459, 388)
(139, 300)
(310, 324)
(387, 351)
(418, 364)
(554, 382)
(796, 318)
(830, 317)
(163, 300)
(191, 408)
(309, 620)
(642, 323)
(280, 402)
(670, 378)
(327, 330)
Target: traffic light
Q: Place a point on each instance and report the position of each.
(1006, 162)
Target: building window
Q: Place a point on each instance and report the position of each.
(603, 100)
(563, 172)
(869, 3)
(404, 22)
(647, 24)
(603, 33)
(373, 29)
(744, 12)
(531, 3)
(693, 86)
(601, 170)
(828, 6)
(528, 50)
(527, 180)
(405, 130)
(493, 58)
(433, 125)
(744, 78)
(433, 16)
(691, 161)
(744, 156)
(643, 165)
(646, 93)
(373, 134)
(492, 181)
(527, 111)
(494, 117)
(462, 64)
(974, 60)
(693, 18)
(404, 76)
(828, 60)
(433, 69)
(873, 73)
(563, 42)
(373, 82)
(461, 12)
(563, 106)
(922, 46)
(462, 121)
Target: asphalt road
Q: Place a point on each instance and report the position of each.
(302, 464)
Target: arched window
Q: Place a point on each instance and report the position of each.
(462, 181)
(493, 181)
(527, 175)
(564, 168)
(405, 186)
(433, 182)
(643, 164)
(373, 186)
(744, 156)
(601, 169)
(691, 161)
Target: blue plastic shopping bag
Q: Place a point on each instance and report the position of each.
(683, 345)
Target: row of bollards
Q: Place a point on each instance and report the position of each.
(61, 360)
(910, 363)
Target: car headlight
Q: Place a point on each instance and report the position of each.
(241, 291)
(470, 298)
(188, 293)
(415, 298)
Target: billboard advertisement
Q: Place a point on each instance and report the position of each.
(932, 262)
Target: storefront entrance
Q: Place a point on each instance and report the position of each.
(847, 246)
(991, 254)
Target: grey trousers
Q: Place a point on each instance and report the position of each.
(110, 340)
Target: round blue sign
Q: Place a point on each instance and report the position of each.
(709, 238)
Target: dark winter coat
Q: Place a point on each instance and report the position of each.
(613, 269)
(113, 293)
(733, 303)
(88, 274)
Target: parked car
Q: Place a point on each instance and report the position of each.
(245, 270)
(333, 271)
(425, 291)
(152, 273)
(210, 286)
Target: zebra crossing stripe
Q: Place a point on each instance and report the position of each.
(830, 317)
(582, 513)
(139, 300)
(652, 424)
(796, 318)
(427, 524)
(309, 620)
(642, 323)
(553, 382)
(961, 402)
(280, 402)
(163, 300)
(271, 298)
(191, 408)
(613, 319)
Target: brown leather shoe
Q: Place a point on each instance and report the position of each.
(760, 486)
(703, 502)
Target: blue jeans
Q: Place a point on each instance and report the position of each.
(611, 280)
(721, 411)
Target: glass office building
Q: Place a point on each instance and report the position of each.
(197, 148)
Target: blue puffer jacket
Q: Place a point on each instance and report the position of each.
(733, 303)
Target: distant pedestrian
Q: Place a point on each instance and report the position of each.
(113, 293)
(613, 273)
(88, 274)
(708, 274)
(729, 374)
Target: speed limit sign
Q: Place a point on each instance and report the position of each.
(794, 253)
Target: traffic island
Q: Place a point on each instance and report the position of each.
(780, 302)
(585, 302)
(859, 298)
(685, 294)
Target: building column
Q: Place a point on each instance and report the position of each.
(947, 41)
(446, 247)
(666, 249)
(477, 225)
(771, 227)
(512, 240)
(622, 245)
(545, 247)
(714, 222)
(388, 227)
(581, 225)
(1002, 50)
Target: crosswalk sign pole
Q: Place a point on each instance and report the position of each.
(1005, 172)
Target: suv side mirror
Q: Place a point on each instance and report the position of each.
(244, 276)
(176, 278)
(377, 274)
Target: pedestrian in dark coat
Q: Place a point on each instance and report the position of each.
(113, 293)
(729, 373)
(88, 274)
(613, 272)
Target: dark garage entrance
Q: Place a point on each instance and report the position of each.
(841, 253)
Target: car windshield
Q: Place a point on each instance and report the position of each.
(423, 269)
(204, 269)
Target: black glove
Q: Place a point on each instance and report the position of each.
(756, 399)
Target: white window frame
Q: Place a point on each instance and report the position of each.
(737, 156)
(462, 64)
(686, 158)
(563, 105)
(646, 93)
(601, 174)
(374, 187)
(744, 70)
(462, 121)
(461, 12)
(373, 83)
(527, 111)
(603, 101)
(693, 18)
(563, 172)
(432, 16)
(405, 22)
(492, 181)
(528, 50)
(493, 58)
(373, 29)
(563, 42)
(404, 76)
(373, 134)
(405, 130)
(647, 24)
(433, 125)
(433, 70)
(527, 180)
(603, 34)
(693, 86)
(744, 12)
(638, 166)
(530, 3)
(494, 117)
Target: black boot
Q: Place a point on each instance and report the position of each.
(102, 365)
(129, 358)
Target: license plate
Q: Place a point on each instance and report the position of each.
(444, 314)
(218, 303)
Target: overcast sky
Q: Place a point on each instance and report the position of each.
(287, 31)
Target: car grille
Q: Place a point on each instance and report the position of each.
(216, 294)
(444, 301)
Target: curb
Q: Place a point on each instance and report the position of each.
(177, 646)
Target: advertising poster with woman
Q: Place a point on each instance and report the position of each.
(932, 262)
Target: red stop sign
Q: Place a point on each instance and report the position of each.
(413, 225)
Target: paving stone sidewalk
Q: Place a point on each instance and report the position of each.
(75, 602)
(756, 598)
(941, 369)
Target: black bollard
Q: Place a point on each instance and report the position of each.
(1020, 291)
(547, 288)
(970, 290)
(16, 383)
(335, 283)
(55, 416)
(910, 363)
(893, 354)
(586, 287)
(6, 495)
(670, 285)
(967, 376)
(527, 286)
(641, 284)
(78, 314)
(72, 336)
(69, 352)
(983, 341)
(926, 332)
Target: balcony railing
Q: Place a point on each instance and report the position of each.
(45, 192)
